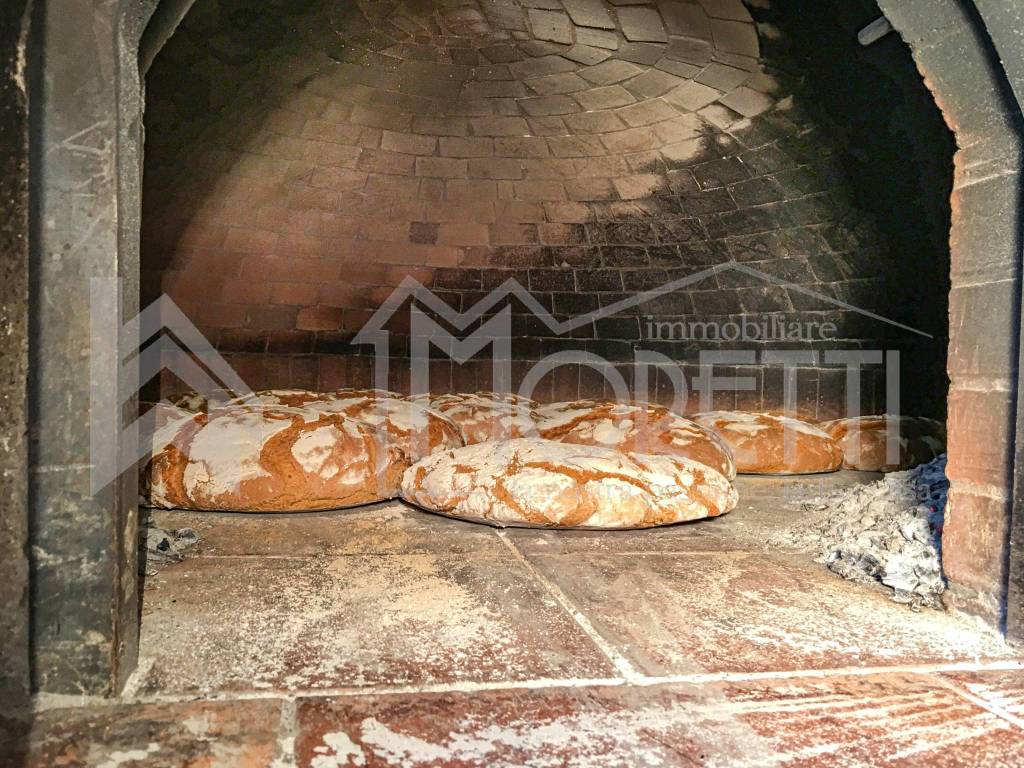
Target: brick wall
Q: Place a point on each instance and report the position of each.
(303, 159)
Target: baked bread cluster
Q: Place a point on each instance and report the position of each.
(502, 459)
(773, 444)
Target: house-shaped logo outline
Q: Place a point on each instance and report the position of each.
(373, 332)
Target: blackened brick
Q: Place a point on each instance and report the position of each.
(617, 328)
(551, 280)
(598, 280)
(624, 256)
(719, 173)
(575, 303)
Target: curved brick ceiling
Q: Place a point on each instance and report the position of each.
(589, 149)
(568, 104)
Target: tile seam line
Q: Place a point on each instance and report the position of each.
(621, 664)
(642, 681)
(287, 732)
(978, 701)
(455, 553)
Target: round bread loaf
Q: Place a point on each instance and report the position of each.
(486, 416)
(158, 485)
(635, 428)
(292, 398)
(189, 401)
(536, 482)
(271, 459)
(415, 428)
(769, 444)
(289, 398)
(367, 392)
(198, 402)
(864, 441)
(298, 398)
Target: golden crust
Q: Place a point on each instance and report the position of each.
(635, 428)
(486, 416)
(272, 459)
(413, 427)
(770, 444)
(864, 441)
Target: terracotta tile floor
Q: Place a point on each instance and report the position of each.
(386, 636)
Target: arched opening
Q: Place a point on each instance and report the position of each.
(290, 191)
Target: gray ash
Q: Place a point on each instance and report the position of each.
(888, 531)
(163, 546)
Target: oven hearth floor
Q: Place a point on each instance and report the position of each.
(387, 636)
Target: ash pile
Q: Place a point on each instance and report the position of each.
(888, 531)
(163, 546)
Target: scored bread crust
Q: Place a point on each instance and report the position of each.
(635, 428)
(759, 440)
(486, 416)
(537, 482)
(864, 441)
(415, 428)
(271, 459)
(159, 483)
(296, 398)
(199, 402)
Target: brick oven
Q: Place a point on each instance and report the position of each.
(331, 162)
(710, 205)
